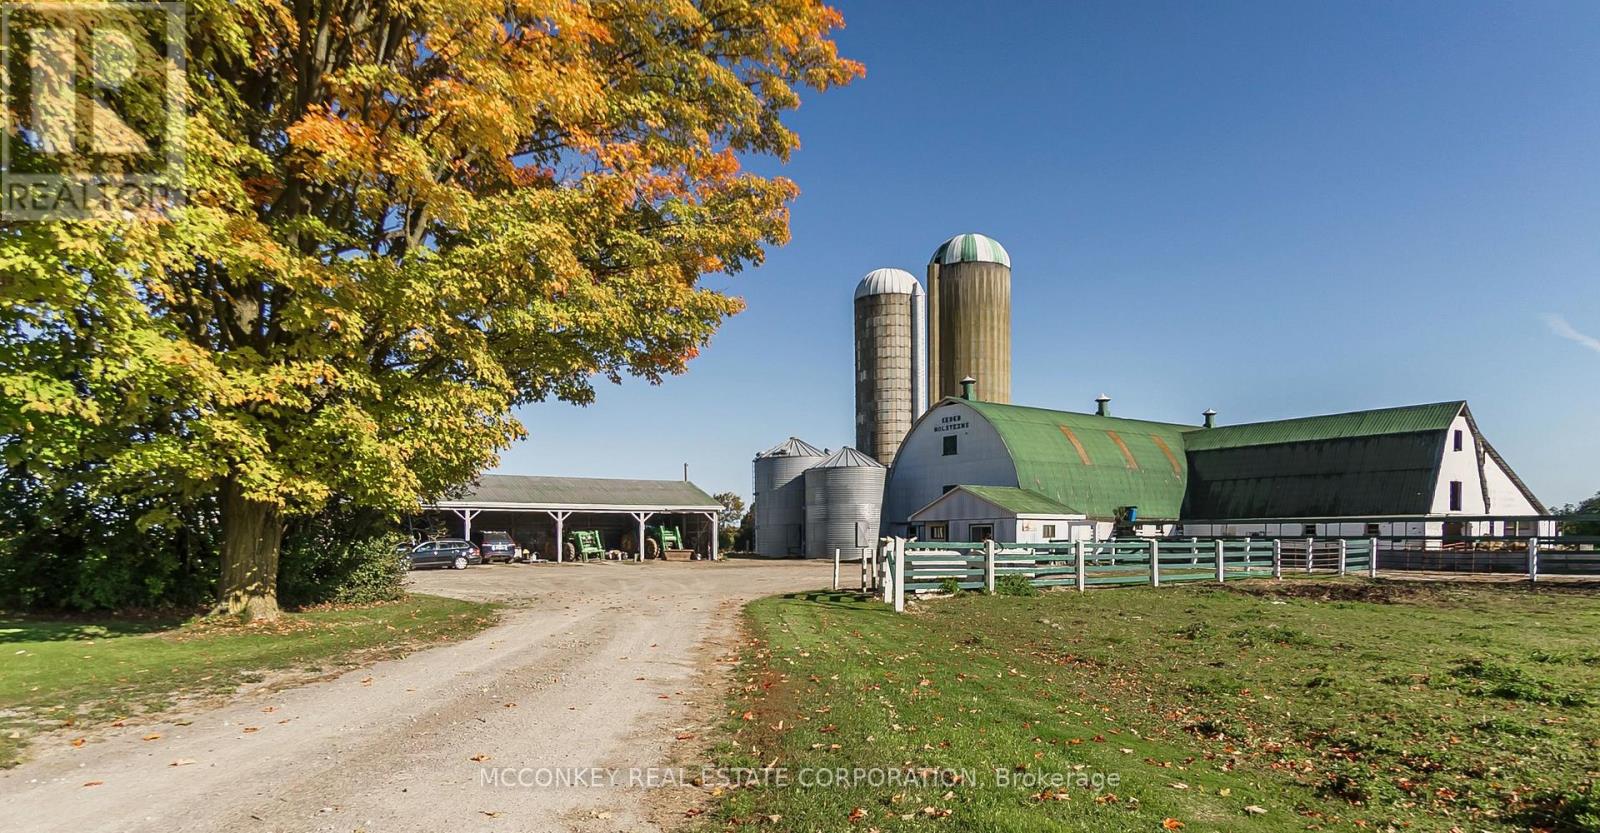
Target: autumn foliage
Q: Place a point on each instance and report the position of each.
(403, 219)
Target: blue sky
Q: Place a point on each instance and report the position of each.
(1270, 209)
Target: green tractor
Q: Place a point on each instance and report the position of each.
(662, 541)
(658, 539)
(585, 544)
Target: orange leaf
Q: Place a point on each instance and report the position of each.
(1170, 824)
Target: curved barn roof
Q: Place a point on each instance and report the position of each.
(1092, 463)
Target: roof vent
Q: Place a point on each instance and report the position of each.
(969, 388)
(1211, 418)
(1102, 405)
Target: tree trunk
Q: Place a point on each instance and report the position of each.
(252, 531)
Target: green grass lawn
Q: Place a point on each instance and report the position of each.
(1329, 705)
(82, 672)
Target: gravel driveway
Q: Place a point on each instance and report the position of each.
(596, 665)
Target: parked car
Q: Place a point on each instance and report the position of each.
(445, 552)
(497, 545)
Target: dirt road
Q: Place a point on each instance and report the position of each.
(595, 666)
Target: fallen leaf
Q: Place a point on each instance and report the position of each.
(1171, 824)
(76, 742)
(93, 783)
(153, 736)
(490, 814)
(1255, 810)
(479, 758)
(686, 736)
(182, 762)
(251, 729)
(857, 815)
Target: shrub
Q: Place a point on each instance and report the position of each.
(70, 549)
(950, 585)
(343, 558)
(1013, 584)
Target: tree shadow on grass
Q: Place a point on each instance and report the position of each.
(15, 628)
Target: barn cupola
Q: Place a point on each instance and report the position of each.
(1102, 405)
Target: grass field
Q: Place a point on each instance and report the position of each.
(1328, 705)
(81, 672)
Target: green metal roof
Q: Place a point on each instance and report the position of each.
(1403, 420)
(1383, 461)
(1020, 501)
(1094, 463)
(507, 490)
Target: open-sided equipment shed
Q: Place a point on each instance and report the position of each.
(533, 507)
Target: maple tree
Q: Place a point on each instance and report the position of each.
(402, 219)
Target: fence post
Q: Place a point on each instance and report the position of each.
(836, 569)
(1155, 563)
(864, 569)
(1221, 576)
(1533, 560)
(900, 575)
(1277, 559)
(1343, 553)
(988, 566)
(872, 574)
(886, 574)
(1077, 564)
(1311, 553)
(1372, 559)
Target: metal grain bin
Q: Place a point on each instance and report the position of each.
(780, 496)
(969, 318)
(844, 497)
(891, 360)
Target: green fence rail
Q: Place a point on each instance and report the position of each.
(903, 566)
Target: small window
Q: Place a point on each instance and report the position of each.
(1049, 531)
(1373, 530)
(981, 532)
(949, 446)
(1458, 441)
(1455, 496)
(938, 532)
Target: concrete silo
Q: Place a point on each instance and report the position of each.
(844, 497)
(969, 318)
(891, 360)
(780, 496)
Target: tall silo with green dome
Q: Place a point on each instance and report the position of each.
(969, 318)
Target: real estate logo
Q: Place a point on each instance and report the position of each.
(94, 104)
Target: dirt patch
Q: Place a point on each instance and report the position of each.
(1374, 592)
(1418, 589)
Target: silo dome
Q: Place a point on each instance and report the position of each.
(888, 282)
(970, 248)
